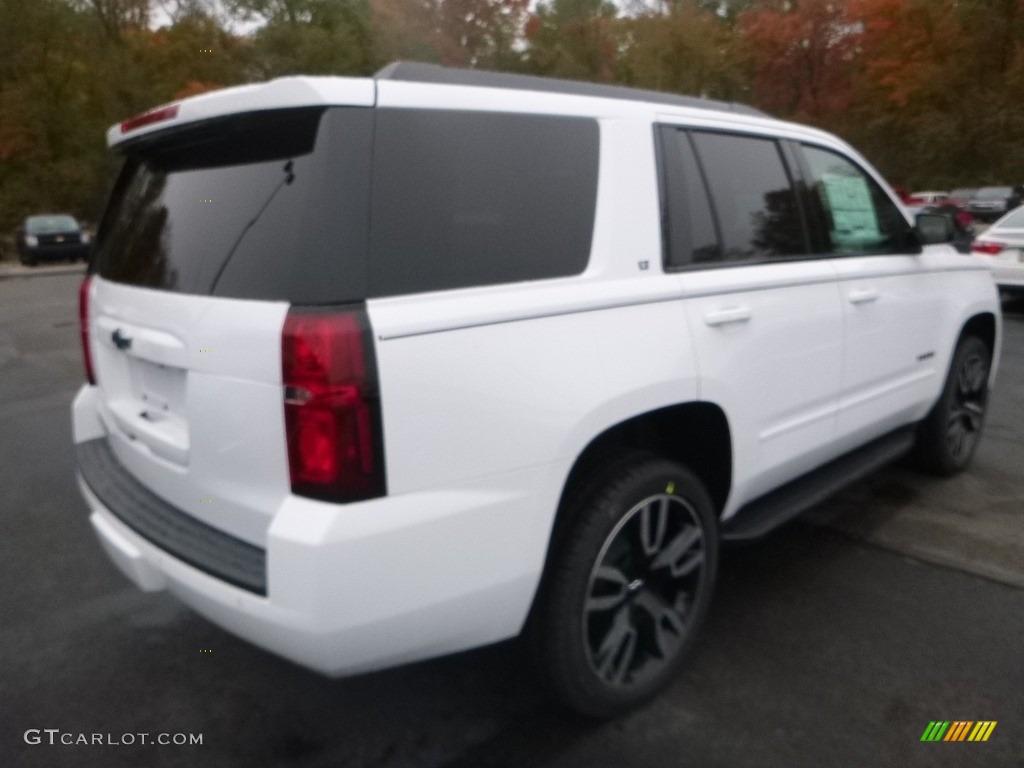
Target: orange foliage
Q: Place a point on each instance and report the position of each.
(907, 46)
(194, 88)
(800, 56)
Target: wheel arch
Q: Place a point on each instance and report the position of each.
(982, 325)
(695, 434)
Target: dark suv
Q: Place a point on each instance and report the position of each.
(989, 203)
(51, 236)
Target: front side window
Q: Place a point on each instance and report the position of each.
(860, 218)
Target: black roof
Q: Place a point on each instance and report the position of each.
(411, 71)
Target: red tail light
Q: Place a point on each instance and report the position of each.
(83, 327)
(157, 115)
(988, 248)
(331, 405)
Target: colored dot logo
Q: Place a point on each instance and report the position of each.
(206, 349)
(206, 200)
(206, 50)
(206, 650)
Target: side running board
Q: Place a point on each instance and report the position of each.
(783, 504)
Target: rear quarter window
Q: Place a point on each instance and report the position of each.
(466, 199)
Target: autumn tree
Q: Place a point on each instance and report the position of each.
(800, 55)
(575, 39)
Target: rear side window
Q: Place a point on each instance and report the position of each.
(472, 198)
(754, 201)
(267, 205)
(860, 218)
(728, 198)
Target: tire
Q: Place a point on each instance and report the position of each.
(949, 435)
(628, 590)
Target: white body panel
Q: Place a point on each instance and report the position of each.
(193, 407)
(769, 352)
(903, 315)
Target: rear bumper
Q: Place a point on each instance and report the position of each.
(352, 588)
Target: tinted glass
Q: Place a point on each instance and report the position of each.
(468, 199)
(753, 199)
(860, 217)
(268, 205)
(692, 235)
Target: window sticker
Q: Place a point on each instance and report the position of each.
(855, 225)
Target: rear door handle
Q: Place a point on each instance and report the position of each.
(728, 316)
(863, 295)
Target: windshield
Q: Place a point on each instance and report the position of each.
(45, 225)
(245, 206)
(992, 193)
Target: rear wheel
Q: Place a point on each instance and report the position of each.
(949, 435)
(629, 589)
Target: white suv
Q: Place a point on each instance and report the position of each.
(381, 369)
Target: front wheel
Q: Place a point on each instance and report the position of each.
(629, 589)
(949, 435)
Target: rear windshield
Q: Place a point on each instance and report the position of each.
(257, 206)
(44, 225)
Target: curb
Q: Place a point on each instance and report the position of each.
(14, 269)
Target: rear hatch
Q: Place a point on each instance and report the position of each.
(213, 231)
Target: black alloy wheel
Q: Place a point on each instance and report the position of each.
(627, 594)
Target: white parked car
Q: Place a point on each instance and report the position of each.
(1002, 246)
(381, 369)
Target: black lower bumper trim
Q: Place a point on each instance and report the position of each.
(163, 525)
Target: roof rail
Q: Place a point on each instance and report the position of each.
(411, 71)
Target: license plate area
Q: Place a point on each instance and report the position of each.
(157, 387)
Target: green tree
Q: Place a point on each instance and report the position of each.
(684, 46)
(309, 36)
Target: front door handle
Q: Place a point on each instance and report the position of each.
(728, 316)
(863, 295)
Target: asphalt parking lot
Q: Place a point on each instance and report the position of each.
(833, 642)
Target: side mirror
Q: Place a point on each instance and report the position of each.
(933, 228)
